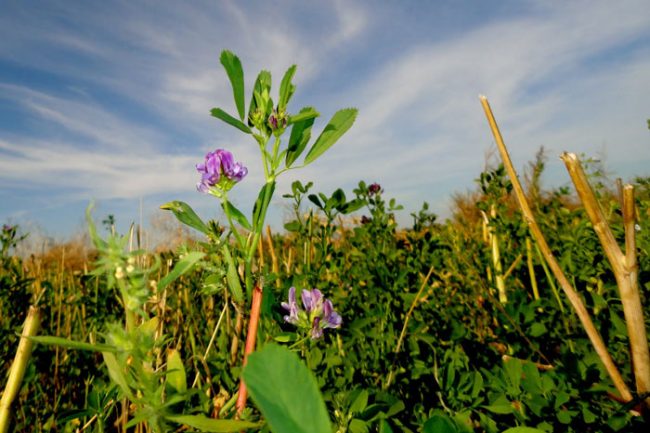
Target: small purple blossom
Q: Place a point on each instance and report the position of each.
(316, 315)
(219, 170)
(291, 307)
(277, 120)
(374, 188)
(312, 300)
(331, 318)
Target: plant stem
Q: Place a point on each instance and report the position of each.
(251, 337)
(573, 296)
(274, 258)
(233, 229)
(531, 268)
(17, 372)
(406, 322)
(624, 267)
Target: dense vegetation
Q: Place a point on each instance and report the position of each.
(455, 326)
(423, 333)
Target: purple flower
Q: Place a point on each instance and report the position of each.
(374, 188)
(317, 315)
(291, 307)
(316, 330)
(219, 170)
(277, 120)
(331, 318)
(312, 300)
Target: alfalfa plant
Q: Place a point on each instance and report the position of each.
(267, 122)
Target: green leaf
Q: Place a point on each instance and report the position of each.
(514, 371)
(285, 337)
(232, 65)
(232, 277)
(176, 372)
(352, 206)
(588, 415)
(183, 265)
(292, 226)
(439, 424)
(306, 113)
(149, 327)
(286, 88)
(501, 405)
(531, 380)
(336, 201)
(360, 402)
(286, 391)
(561, 398)
(358, 426)
(566, 416)
(314, 199)
(538, 329)
(116, 374)
(300, 134)
(222, 115)
(262, 84)
(185, 214)
(205, 424)
(338, 125)
(71, 344)
(262, 202)
(97, 241)
(523, 429)
(384, 427)
(237, 215)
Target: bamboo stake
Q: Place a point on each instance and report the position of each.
(24, 352)
(624, 266)
(496, 259)
(491, 237)
(572, 295)
(641, 361)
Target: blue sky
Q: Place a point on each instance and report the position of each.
(110, 100)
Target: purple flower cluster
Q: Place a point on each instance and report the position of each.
(221, 170)
(374, 188)
(318, 313)
(277, 120)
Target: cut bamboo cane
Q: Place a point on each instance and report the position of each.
(496, 259)
(30, 328)
(572, 295)
(623, 265)
(642, 369)
(493, 240)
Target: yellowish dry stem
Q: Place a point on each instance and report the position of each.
(572, 295)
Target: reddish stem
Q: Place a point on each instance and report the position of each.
(251, 337)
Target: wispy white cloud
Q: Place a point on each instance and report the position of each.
(571, 75)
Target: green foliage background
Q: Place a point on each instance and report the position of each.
(467, 362)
